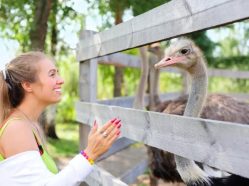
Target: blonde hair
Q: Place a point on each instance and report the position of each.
(21, 69)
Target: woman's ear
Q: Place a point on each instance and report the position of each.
(27, 86)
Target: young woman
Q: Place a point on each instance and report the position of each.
(28, 84)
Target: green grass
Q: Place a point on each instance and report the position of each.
(68, 143)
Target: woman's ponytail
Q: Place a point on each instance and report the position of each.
(5, 105)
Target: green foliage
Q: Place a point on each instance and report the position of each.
(105, 81)
(226, 85)
(67, 145)
(141, 6)
(234, 63)
(219, 84)
(15, 19)
(131, 78)
(68, 68)
(134, 51)
(170, 82)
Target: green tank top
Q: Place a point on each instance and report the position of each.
(48, 161)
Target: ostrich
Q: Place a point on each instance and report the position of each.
(160, 162)
(186, 55)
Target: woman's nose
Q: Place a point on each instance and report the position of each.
(60, 80)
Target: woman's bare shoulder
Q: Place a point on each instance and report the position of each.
(17, 137)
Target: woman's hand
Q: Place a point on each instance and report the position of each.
(101, 139)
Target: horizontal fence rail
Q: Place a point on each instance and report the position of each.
(118, 145)
(126, 60)
(172, 19)
(100, 177)
(223, 145)
(127, 102)
(130, 175)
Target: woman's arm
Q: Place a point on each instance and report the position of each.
(25, 167)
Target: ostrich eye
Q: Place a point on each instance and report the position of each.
(184, 51)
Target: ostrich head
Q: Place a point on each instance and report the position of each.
(183, 54)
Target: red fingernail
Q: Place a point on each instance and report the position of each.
(118, 133)
(113, 120)
(94, 124)
(119, 126)
(116, 122)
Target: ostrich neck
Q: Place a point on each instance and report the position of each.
(198, 91)
(140, 94)
(188, 170)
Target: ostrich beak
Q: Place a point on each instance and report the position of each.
(168, 61)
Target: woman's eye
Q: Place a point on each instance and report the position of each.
(184, 51)
(52, 75)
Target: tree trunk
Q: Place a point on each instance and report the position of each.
(119, 71)
(54, 38)
(38, 30)
(118, 81)
(50, 123)
(38, 33)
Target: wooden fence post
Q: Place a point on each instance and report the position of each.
(87, 88)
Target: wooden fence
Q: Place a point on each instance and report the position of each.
(220, 144)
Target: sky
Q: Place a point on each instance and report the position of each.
(7, 51)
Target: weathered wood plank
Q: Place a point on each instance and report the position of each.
(241, 96)
(126, 60)
(131, 175)
(172, 19)
(228, 73)
(120, 144)
(220, 144)
(120, 59)
(127, 102)
(87, 92)
(100, 177)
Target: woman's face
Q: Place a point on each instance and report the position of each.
(47, 87)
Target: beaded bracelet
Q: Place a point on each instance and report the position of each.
(83, 153)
